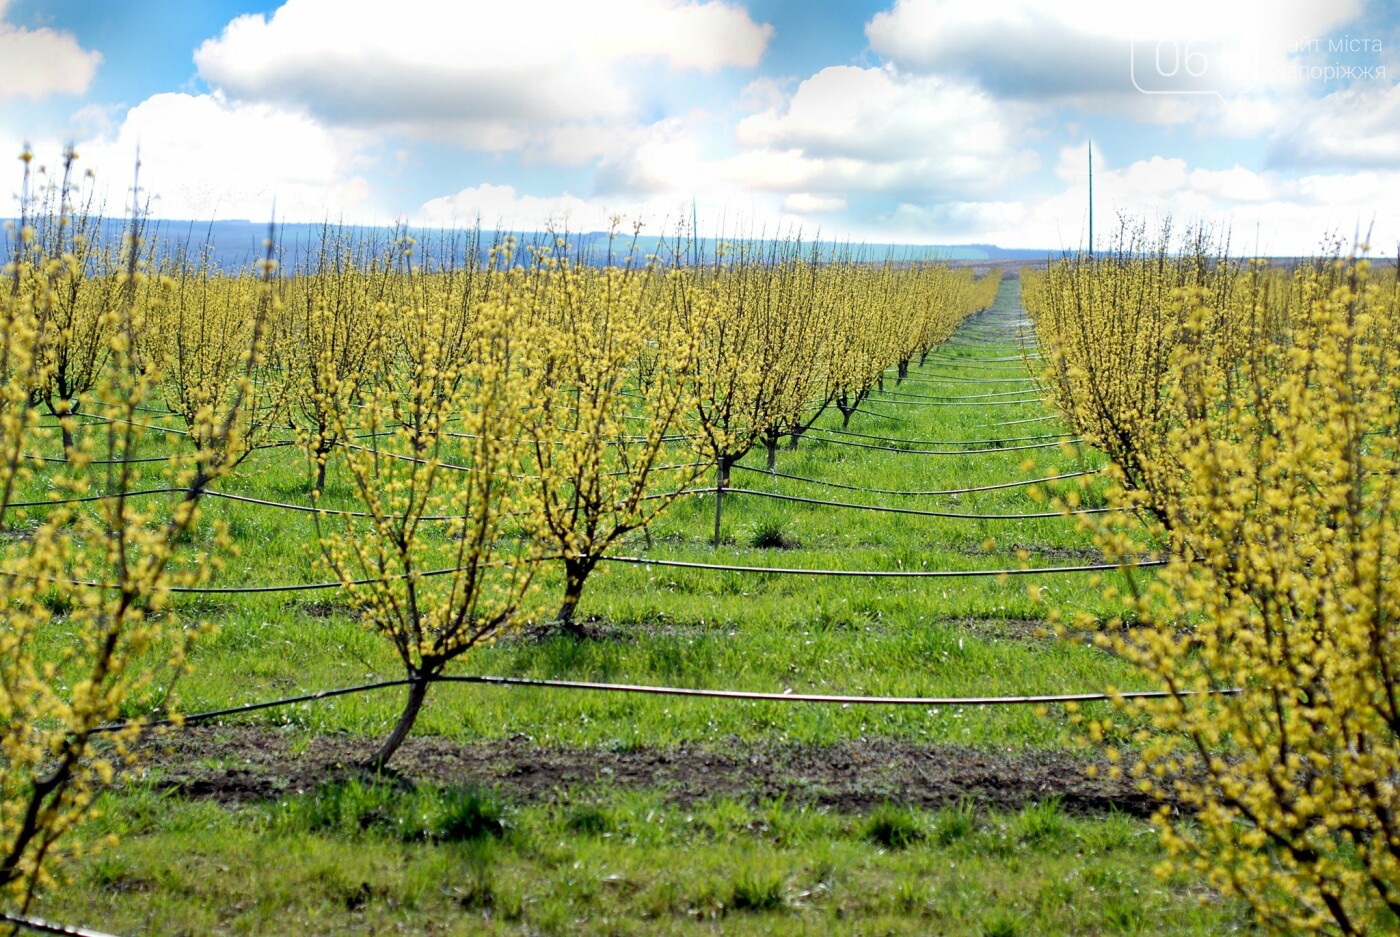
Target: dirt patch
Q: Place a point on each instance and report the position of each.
(603, 630)
(1019, 629)
(1040, 551)
(591, 628)
(246, 763)
(325, 609)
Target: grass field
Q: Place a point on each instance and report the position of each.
(534, 810)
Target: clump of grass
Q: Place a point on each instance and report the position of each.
(758, 888)
(1124, 915)
(353, 807)
(954, 823)
(893, 827)
(344, 807)
(1114, 831)
(1001, 922)
(911, 897)
(588, 821)
(1040, 823)
(463, 814)
(475, 890)
(771, 535)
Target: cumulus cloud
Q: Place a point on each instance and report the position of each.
(663, 159)
(41, 62)
(1354, 127)
(503, 205)
(1236, 184)
(500, 205)
(203, 156)
(805, 203)
(1104, 54)
(717, 210)
(849, 129)
(953, 221)
(1267, 211)
(489, 74)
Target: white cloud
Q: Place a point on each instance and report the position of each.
(489, 75)
(1103, 54)
(41, 62)
(1236, 184)
(845, 135)
(501, 205)
(805, 203)
(717, 211)
(952, 222)
(1357, 126)
(203, 157)
(849, 129)
(1268, 211)
(764, 93)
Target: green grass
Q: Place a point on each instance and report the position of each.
(358, 858)
(600, 863)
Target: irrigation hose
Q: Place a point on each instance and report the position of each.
(886, 573)
(655, 690)
(41, 926)
(938, 442)
(908, 493)
(1039, 515)
(861, 445)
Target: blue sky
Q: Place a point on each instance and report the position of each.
(925, 121)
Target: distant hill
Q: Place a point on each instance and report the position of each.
(236, 244)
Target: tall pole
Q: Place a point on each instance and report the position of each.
(1091, 198)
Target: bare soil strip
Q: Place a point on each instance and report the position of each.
(240, 764)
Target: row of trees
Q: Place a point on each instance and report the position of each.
(486, 413)
(86, 627)
(1253, 416)
(551, 407)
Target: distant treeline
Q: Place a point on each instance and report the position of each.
(237, 245)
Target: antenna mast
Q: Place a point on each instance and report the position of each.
(1091, 198)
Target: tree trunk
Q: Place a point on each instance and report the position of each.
(793, 440)
(721, 482)
(772, 443)
(417, 692)
(903, 372)
(575, 575)
(322, 456)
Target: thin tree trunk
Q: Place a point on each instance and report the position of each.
(772, 443)
(793, 440)
(721, 482)
(575, 574)
(417, 692)
(323, 453)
